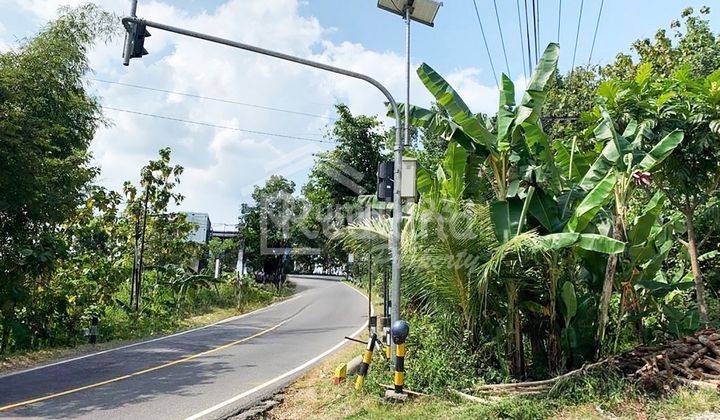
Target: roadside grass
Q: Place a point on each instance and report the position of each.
(120, 329)
(601, 395)
(314, 396)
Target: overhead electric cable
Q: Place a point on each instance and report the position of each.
(539, 35)
(535, 28)
(597, 25)
(577, 34)
(559, 20)
(482, 31)
(522, 44)
(226, 101)
(204, 124)
(502, 39)
(527, 37)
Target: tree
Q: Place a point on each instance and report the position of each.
(347, 171)
(508, 163)
(675, 87)
(267, 224)
(47, 120)
(157, 235)
(691, 177)
(226, 250)
(336, 180)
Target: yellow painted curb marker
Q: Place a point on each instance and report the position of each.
(367, 358)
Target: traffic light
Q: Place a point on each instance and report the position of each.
(136, 47)
(385, 183)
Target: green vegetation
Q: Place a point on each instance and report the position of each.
(575, 223)
(73, 252)
(599, 396)
(328, 200)
(583, 243)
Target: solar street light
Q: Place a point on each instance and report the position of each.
(423, 11)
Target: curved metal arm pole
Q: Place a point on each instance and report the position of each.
(397, 208)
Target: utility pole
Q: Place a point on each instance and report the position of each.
(129, 36)
(135, 35)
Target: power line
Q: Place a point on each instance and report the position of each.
(535, 31)
(224, 127)
(577, 34)
(597, 25)
(559, 20)
(482, 31)
(502, 39)
(226, 101)
(527, 37)
(539, 35)
(522, 46)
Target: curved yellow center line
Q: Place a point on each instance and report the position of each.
(152, 369)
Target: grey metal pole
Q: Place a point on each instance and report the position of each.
(407, 68)
(397, 200)
(128, 40)
(397, 205)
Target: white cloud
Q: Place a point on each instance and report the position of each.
(48, 9)
(3, 45)
(223, 165)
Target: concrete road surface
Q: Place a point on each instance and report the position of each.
(209, 372)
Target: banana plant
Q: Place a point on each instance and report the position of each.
(621, 168)
(514, 153)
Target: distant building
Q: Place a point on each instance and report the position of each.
(203, 231)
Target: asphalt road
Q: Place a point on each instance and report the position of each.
(204, 373)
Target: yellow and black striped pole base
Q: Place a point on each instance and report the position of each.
(399, 379)
(365, 365)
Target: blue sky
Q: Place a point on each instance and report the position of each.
(223, 165)
(456, 41)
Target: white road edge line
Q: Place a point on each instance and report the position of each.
(139, 343)
(282, 376)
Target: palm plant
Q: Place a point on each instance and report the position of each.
(446, 239)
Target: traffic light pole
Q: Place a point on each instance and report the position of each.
(128, 35)
(397, 205)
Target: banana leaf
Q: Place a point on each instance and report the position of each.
(425, 181)
(419, 116)
(546, 211)
(448, 99)
(454, 164)
(640, 231)
(532, 102)
(580, 162)
(600, 243)
(651, 267)
(595, 200)
(505, 216)
(458, 135)
(570, 305)
(586, 241)
(662, 150)
(615, 148)
(538, 145)
(506, 113)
